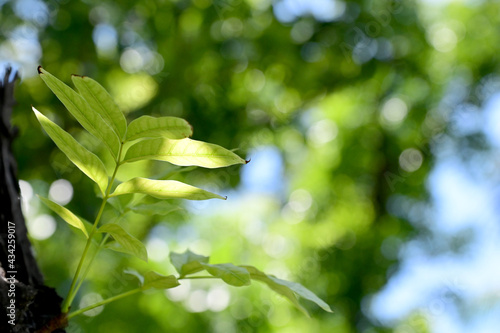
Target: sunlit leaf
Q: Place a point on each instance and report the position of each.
(157, 208)
(128, 243)
(65, 214)
(81, 110)
(286, 288)
(151, 127)
(100, 100)
(183, 152)
(158, 281)
(188, 262)
(86, 161)
(229, 273)
(163, 189)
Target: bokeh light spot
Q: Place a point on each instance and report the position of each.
(61, 191)
(411, 159)
(42, 227)
(394, 111)
(322, 132)
(197, 301)
(218, 298)
(179, 293)
(89, 299)
(157, 249)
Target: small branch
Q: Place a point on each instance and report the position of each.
(72, 291)
(91, 260)
(105, 301)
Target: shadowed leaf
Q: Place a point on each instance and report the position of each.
(158, 281)
(157, 208)
(229, 273)
(288, 289)
(128, 243)
(188, 262)
(134, 274)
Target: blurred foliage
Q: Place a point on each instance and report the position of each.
(351, 103)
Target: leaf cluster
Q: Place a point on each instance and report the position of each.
(164, 139)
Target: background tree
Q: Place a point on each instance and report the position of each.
(35, 305)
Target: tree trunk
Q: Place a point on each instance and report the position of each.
(27, 305)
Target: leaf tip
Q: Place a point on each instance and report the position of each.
(35, 110)
(225, 197)
(246, 162)
(39, 69)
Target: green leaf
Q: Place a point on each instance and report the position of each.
(81, 110)
(229, 273)
(302, 292)
(183, 152)
(163, 189)
(257, 275)
(165, 127)
(188, 262)
(158, 281)
(89, 163)
(288, 289)
(100, 100)
(65, 214)
(158, 208)
(129, 244)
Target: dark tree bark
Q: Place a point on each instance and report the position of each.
(25, 300)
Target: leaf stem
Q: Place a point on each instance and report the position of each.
(105, 301)
(87, 269)
(71, 294)
(72, 291)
